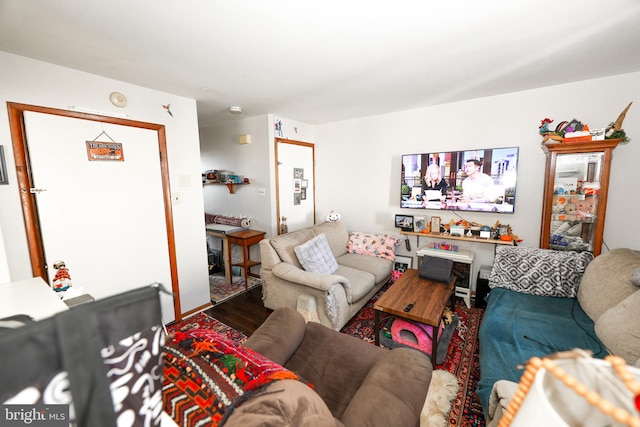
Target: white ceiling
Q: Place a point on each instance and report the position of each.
(324, 61)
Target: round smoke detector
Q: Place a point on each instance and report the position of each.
(235, 110)
(118, 99)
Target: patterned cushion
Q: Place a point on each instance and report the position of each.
(380, 245)
(316, 256)
(543, 272)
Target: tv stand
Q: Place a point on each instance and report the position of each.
(461, 256)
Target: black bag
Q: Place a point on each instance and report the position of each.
(103, 359)
(436, 269)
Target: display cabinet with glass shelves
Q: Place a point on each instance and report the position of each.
(575, 195)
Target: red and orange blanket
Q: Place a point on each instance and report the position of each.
(206, 376)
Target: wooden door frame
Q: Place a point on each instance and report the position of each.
(313, 161)
(28, 201)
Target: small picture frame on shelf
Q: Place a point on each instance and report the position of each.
(435, 225)
(419, 223)
(404, 222)
(402, 263)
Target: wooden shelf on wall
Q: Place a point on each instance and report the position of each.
(463, 238)
(230, 186)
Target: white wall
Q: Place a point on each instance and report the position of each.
(5, 277)
(28, 81)
(358, 162)
(220, 150)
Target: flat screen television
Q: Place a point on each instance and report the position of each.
(471, 180)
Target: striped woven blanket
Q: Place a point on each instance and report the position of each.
(206, 376)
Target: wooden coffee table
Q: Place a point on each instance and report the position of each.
(429, 300)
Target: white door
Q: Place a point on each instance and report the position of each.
(296, 191)
(105, 219)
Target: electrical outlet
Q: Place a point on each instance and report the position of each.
(262, 191)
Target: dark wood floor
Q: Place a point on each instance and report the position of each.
(243, 313)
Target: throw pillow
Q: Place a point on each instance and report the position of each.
(380, 245)
(617, 328)
(535, 271)
(315, 255)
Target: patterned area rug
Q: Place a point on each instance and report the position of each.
(461, 359)
(222, 291)
(204, 321)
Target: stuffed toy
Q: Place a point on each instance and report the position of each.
(571, 209)
(586, 208)
(62, 279)
(560, 200)
(395, 275)
(447, 316)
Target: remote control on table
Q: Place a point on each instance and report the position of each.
(408, 308)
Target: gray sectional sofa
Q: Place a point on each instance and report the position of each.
(354, 383)
(335, 297)
(543, 302)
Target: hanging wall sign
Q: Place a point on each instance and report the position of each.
(112, 151)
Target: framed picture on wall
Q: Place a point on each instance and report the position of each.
(419, 223)
(402, 263)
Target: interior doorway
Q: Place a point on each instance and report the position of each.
(36, 140)
(295, 184)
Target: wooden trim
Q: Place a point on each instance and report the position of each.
(313, 161)
(29, 207)
(25, 182)
(194, 311)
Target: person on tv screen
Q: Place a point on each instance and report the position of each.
(477, 186)
(433, 180)
(432, 184)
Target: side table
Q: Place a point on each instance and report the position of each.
(462, 256)
(246, 239)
